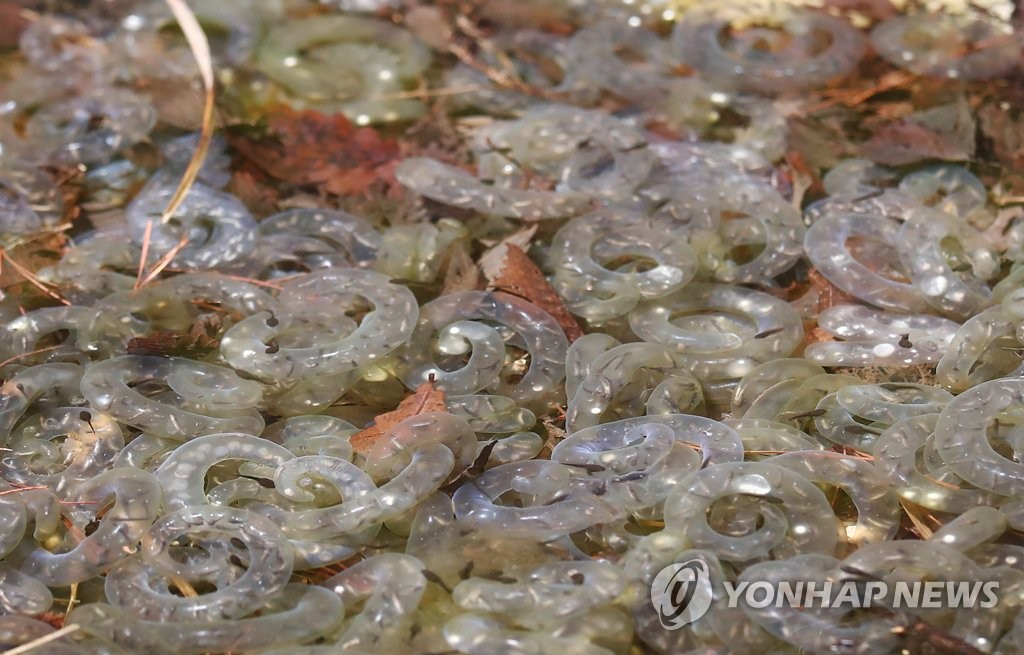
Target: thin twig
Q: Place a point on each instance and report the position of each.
(259, 283)
(20, 489)
(164, 261)
(507, 78)
(276, 284)
(31, 278)
(184, 586)
(10, 360)
(423, 94)
(920, 527)
(36, 236)
(472, 31)
(72, 600)
(45, 639)
(146, 238)
(995, 233)
(200, 48)
(850, 98)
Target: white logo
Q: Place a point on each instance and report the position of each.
(681, 593)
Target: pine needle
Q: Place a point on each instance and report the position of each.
(259, 283)
(20, 489)
(45, 639)
(147, 236)
(921, 528)
(72, 600)
(424, 94)
(36, 236)
(183, 585)
(164, 262)
(11, 360)
(200, 48)
(31, 278)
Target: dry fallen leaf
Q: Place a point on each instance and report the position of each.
(431, 25)
(426, 398)
(475, 470)
(903, 142)
(803, 178)
(493, 260)
(18, 266)
(522, 278)
(820, 144)
(461, 273)
(917, 523)
(817, 335)
(829, 294)
(1005, 129)
(252, 189)
(71, 182)
(529, 14)
(307, 147)
(946, 132)
(12, 24)
(202, 338)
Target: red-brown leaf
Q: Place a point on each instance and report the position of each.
(307, 147)
(12, 23)
(427, 398)
(252, 188)
(1006, 130)
(947, 132)
(521, 277)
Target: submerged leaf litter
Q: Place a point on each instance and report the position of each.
(478, 316)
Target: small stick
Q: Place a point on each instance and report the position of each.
(72, 600)
(30, 277)
(146, 237)
(45, 639)
(164, 261)
(200, 48)
(28, 354)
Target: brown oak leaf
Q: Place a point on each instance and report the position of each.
(12, 23)
(492, 261)
(1005, 129)
(903, 142)
(329, 151)
(522, 278)
(426, 398)
(946, 132)
(252, 189)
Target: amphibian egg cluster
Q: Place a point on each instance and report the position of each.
(565, 304)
